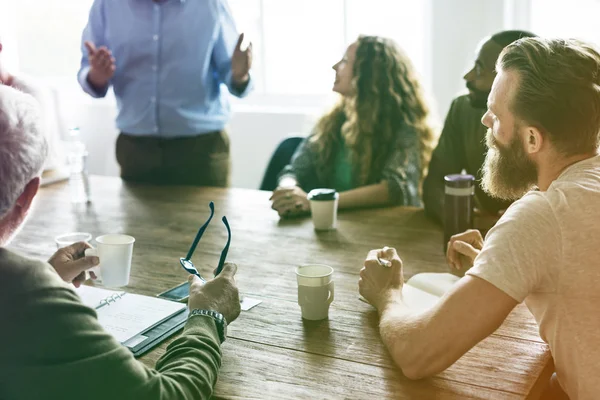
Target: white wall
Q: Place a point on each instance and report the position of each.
(456, 29)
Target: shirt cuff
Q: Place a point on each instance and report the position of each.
(89, 89)
(232, 89)
(204, 325)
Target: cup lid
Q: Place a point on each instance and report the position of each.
(459, 180)
(322, 194)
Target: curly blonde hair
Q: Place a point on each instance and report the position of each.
(387, 99)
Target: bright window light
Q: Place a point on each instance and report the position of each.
(573, 19)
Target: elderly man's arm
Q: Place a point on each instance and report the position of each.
(58, 343)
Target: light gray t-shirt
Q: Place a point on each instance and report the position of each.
(545, 250)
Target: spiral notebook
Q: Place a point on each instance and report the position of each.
(128, 316)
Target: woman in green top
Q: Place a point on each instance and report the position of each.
(373, 147)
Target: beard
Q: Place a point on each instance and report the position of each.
(478, 98)
(508, 173)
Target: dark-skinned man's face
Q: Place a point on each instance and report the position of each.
(480, 78)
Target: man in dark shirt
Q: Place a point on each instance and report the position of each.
(462, 143)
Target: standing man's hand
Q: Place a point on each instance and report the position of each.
(241, 62)
(71, 263)
(102, 65)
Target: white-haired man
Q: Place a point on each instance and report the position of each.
(51, 345)
(544, 120)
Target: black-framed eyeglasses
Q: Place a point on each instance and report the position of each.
(187, 263)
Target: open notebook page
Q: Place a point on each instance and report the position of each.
(93, 296)
(130, 315)
(433, 283)
(417, 299)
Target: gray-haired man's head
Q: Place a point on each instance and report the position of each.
(23, 150)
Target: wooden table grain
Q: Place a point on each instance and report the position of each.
(271, 352)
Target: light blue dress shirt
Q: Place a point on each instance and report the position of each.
(172, 58)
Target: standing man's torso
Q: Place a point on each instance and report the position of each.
(165, 80)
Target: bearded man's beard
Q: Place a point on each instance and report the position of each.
(508, 173)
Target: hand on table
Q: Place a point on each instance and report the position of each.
(241, 62)
(463, 248)
(71, 263)
(219, 294)
(290, 202)
(102, 65)
(379, 284)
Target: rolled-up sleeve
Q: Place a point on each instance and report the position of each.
(223, 51)
(93, 32)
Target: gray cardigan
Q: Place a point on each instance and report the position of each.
(402, 170)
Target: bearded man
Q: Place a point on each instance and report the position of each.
(544, 121)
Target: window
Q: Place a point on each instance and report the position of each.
(574, 18)
(49, 35)
(297, 42)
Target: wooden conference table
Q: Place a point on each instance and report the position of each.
(271, 352)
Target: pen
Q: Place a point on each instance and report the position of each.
(385, 263)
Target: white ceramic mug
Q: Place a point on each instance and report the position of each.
(315, 290)
(323, 208)
(115, 252)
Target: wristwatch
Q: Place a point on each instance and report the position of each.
(217, 316)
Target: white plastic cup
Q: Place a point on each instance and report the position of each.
(315, 290)
(323, 208)
(115, 252)
(68, 239)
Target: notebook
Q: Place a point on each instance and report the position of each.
(423, 291)
(127, 316)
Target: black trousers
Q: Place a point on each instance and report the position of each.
(201, 160)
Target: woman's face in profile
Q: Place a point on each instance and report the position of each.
(344, 72)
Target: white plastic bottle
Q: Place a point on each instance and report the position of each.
(77, 163)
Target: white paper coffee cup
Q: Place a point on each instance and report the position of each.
(323, 208)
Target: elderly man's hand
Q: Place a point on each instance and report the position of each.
(379, 283)
(71, 263)
(219, 294)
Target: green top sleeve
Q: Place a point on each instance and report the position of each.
(302, 167)
(53, 347)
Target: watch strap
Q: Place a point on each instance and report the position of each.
(218, 318)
